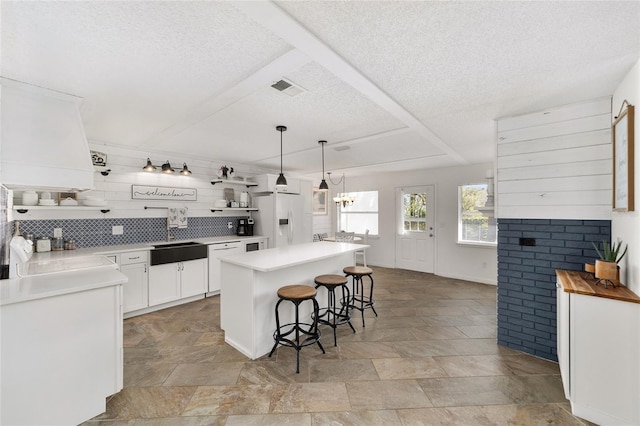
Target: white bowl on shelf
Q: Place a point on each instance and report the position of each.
(220, 204)
(47, 202)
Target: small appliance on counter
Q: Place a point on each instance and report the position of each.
(242, 227)
(250, 227)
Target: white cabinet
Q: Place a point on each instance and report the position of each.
(216, 251)
(193, 277)
(134, 265)
(599, 349)
(173, 281)
(136, 291)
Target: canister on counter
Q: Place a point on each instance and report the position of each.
(70, 245)
(57, 244)
(43, 244)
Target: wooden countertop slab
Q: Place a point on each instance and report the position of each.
(575, 282)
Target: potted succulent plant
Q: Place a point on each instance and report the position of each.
(607, 269)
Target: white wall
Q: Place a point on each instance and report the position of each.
(626, 225)
(452, 260)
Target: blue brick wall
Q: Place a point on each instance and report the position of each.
(527, 279)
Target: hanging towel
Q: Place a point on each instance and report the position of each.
(182, 218)
(172, 218)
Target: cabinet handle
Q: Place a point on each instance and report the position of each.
(145, 268)
(134, 258)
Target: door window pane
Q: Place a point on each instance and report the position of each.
(414, 210)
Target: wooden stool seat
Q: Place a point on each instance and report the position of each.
(330, 280)
(359, 300)
(357, 270)
(297, 292)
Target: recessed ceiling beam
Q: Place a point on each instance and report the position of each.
(271, 17)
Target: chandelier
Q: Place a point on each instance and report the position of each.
(344, 198)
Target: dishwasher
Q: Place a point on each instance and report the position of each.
(216, 251)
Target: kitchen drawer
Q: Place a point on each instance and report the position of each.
(134, 257)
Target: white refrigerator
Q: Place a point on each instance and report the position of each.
(282, 218)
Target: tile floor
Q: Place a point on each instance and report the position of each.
(430, 358)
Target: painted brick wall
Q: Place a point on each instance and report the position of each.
(527, 280)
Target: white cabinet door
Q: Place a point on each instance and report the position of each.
(136, 290)
(164, 283)
(193, 277)
(562, 310)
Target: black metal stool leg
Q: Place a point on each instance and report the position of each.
(277, 337)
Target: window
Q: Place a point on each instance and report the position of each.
(360, 215)
(414, 212)
(476, 223)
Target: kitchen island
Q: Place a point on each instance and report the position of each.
(250, 283)
(61, 344)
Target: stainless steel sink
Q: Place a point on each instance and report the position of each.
(177, 252)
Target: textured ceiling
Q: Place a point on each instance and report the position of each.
(402, 84)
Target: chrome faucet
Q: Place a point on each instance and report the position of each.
(169, 236)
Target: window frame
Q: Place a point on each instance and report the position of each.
(343, 210)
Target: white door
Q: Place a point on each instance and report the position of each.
(415, 228)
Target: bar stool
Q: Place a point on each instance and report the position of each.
(304, 334)
(330, 315)
(359, 300)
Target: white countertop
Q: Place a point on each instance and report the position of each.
(69, 277)
(34, 287)
(284, 257)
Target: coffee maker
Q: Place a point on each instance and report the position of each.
(250, 227)
(242, 227)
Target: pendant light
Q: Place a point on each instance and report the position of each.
(323, 185)
(281, 183)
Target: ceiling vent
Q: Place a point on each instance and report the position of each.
(288, 87)
(342, 148)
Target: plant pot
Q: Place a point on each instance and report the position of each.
(590, 268)
(608, 272)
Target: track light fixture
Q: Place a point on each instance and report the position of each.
(165, 168)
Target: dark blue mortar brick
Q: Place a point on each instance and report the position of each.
(536, 305)
(537, 291)
(551, 243)
(569, 266)
(522, 227)
(576, 259)
(512, 314)
(514, 274)
(549, 329)
(579, 244)
(537, 235)
(522, 268)
(510, 300)
(547, 257)
(505, 221)
(521, 309)
(537, 333)
(596, 238)
(515, 234)
(510, 287)
(566, 222)
(595, 223)
(510, 260)
(536, 249)
(509, 327)
(567, 236)
(538, 277)
(571, 251)
(536, 221)
(546, 342)
(549, 284)
(547, 300)
(545, 314)
(521, 296)
(520, 281)
(538, 261)
(522, 254)
(536, 319)
(583, 229)
(511, 342)
(546, 271)
(550, 228)
(505, 248)
(522, 336)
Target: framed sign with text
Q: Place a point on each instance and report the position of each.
(623, 173)
(141, 192)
